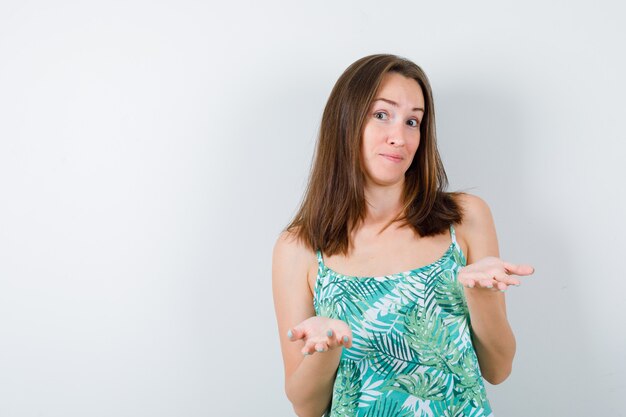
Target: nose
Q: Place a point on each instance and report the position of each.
(396, 134)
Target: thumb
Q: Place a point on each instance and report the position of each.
(295, 333)
(518, 269)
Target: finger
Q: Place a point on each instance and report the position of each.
(295, 333)
(487, 283)
(500, 281)
(333, 339)
(502, 277)
(521, 270)
(471, 279)
(321, 347)
(307, 350)
(344, 339)
(475, 276)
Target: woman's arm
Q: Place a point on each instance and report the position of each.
(492, 335)
(308, 379)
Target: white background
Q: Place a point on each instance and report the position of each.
(151, 152)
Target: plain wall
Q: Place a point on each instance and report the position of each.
(151, 152)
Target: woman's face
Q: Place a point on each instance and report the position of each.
(392, 130)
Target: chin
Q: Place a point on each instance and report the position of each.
(387, 181)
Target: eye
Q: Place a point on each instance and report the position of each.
(381, 115)
(413, 123)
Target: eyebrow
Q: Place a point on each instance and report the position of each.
(393, 103)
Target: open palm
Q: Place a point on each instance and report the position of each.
(492, 273)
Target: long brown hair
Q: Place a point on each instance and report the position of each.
(334, 202)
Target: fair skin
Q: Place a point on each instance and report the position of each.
(311, 346)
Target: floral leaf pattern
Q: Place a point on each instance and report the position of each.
(412, 352)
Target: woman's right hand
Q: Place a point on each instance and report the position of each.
(321, 334)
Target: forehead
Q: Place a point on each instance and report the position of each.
(403, 90)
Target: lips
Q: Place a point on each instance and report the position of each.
(392, 157)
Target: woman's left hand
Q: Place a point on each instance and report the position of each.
(492, 273)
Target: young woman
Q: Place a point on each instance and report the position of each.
(389, 292)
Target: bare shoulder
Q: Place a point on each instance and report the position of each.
(291, 257)
(477, 229)
(289, 246)
(475, 209)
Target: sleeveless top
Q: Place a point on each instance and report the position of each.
(412, 352)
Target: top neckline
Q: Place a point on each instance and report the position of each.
(441, 259)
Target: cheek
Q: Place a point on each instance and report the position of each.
(414, 143)
(368, 140)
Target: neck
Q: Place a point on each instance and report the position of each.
(384, 203)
